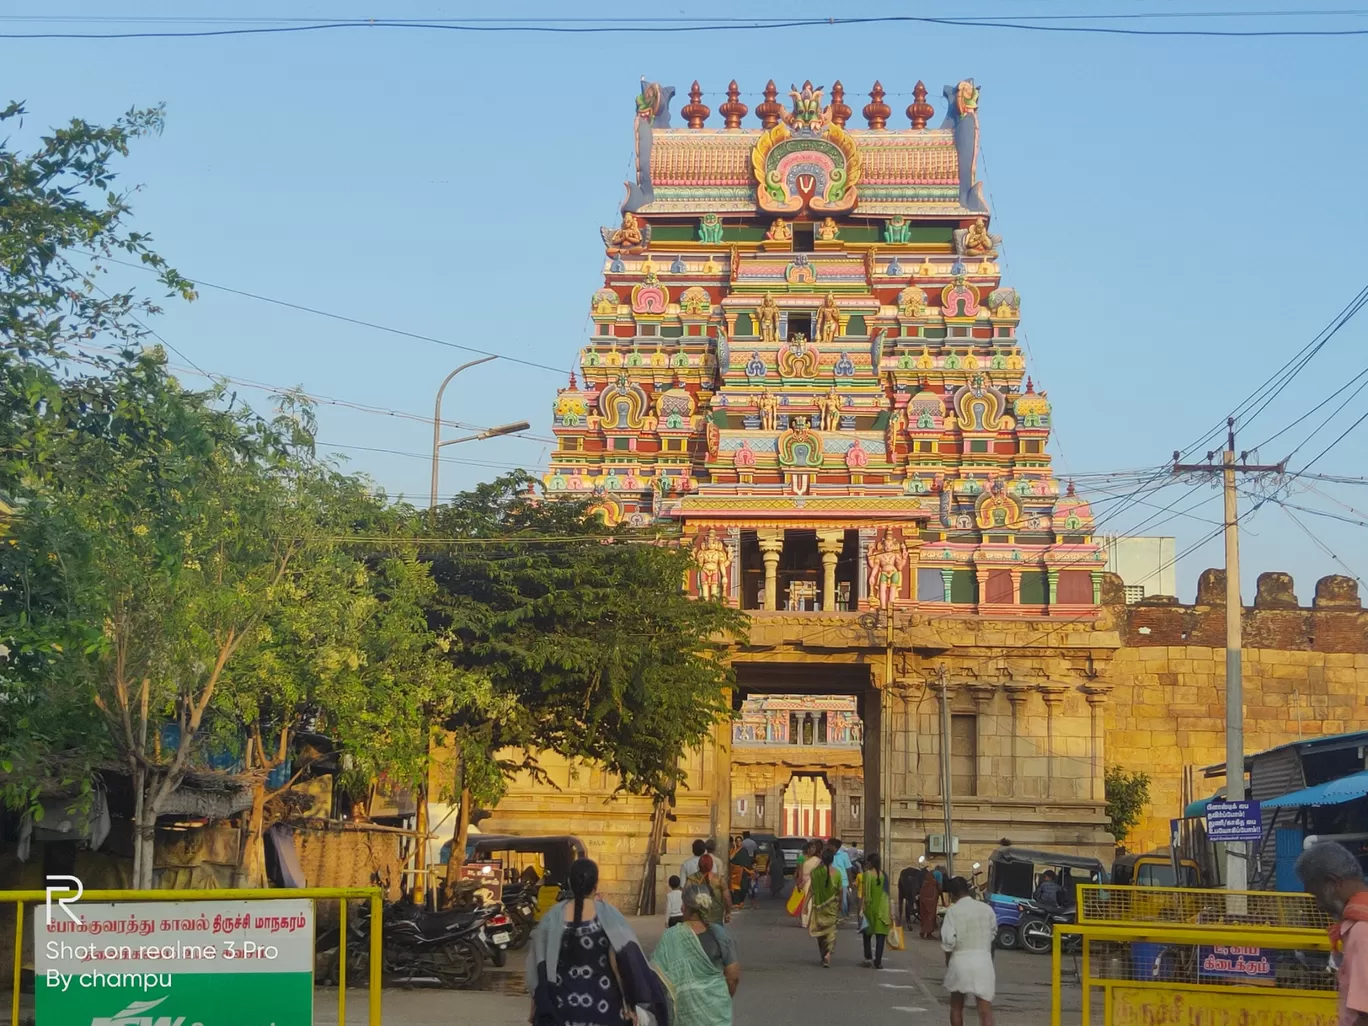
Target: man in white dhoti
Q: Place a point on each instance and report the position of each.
(967, 939)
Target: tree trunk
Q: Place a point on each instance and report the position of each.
(144, 828)
(252, 863)
(458, 844)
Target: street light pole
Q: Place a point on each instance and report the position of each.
(437, 443)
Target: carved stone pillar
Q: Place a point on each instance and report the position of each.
(867, 536)
(1016, 587)
(982, 694)
(1096, 695)
(771, 545)
(1053, 694)
(1052, 576)
(1017, 695)
(829, 545)
(733, 543)
(947, 582)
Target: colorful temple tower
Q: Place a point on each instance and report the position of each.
(804, 365)
(804, 359)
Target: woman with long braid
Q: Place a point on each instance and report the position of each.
(585, 967)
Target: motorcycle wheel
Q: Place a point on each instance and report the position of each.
(1037, 936)
(1007, 938)
(461, 965)
(498, 955)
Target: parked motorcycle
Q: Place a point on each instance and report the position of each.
(444, 948)
(1037, 926)
(520, 903)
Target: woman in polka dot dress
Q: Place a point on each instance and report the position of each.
(586, 967)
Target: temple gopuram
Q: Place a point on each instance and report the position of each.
(804, 357)
(805, 366)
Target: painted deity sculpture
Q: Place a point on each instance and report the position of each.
(977, 241)
(830, 407)
(767, 318)
(714, 562)
(630, 236)
(769, 409)
(828, 230)
(887, 560)
(780, 231)
(828, 321)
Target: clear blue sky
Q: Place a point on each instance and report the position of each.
(1180, 215)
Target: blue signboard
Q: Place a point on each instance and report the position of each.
(1234, 821)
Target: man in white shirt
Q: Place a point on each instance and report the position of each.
(690, 866)
(967, 940)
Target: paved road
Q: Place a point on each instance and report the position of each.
(781, 983)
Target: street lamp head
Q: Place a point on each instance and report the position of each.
(505, 429)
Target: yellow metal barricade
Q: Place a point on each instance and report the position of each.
(36, 899)
(1183, 956)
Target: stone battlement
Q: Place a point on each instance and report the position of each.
(1334, 622)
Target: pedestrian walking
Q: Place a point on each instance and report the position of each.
(690, 865)
(585, 965)
(927, 899)
(1333, 875)
(674, 904)
(720, 911)
(875, 921)
(841, 860)
(802, 879)
(698, 960)
(967, 940)
(824, 912)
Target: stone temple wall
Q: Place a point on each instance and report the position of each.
(1305, 675)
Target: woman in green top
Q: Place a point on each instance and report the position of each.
(824, 899)
(875, 920)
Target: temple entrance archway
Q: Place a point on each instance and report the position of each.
(807, 807)
(802, 750)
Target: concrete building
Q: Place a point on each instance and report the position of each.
(1146, 565)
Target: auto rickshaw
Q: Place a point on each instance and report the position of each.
(1015, 873)
(1155, 869)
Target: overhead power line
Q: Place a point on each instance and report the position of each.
(349, 320)
(647, 27)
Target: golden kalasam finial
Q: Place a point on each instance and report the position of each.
(919, 111)
(876, 112)
(695, 112)
(733, 110)
(771, 110)
(838, 113)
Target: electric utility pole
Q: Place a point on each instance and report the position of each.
(1236, 860)
(943, 681)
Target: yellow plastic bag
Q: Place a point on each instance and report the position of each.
(895, 938)
(795, 902)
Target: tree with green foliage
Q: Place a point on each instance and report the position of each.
(589, 643)
(61, 221)
(180, 576)
(1127, 795)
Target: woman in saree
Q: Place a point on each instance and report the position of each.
(824, 900)
(698, 958)
(802, 877)
(926, 905)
